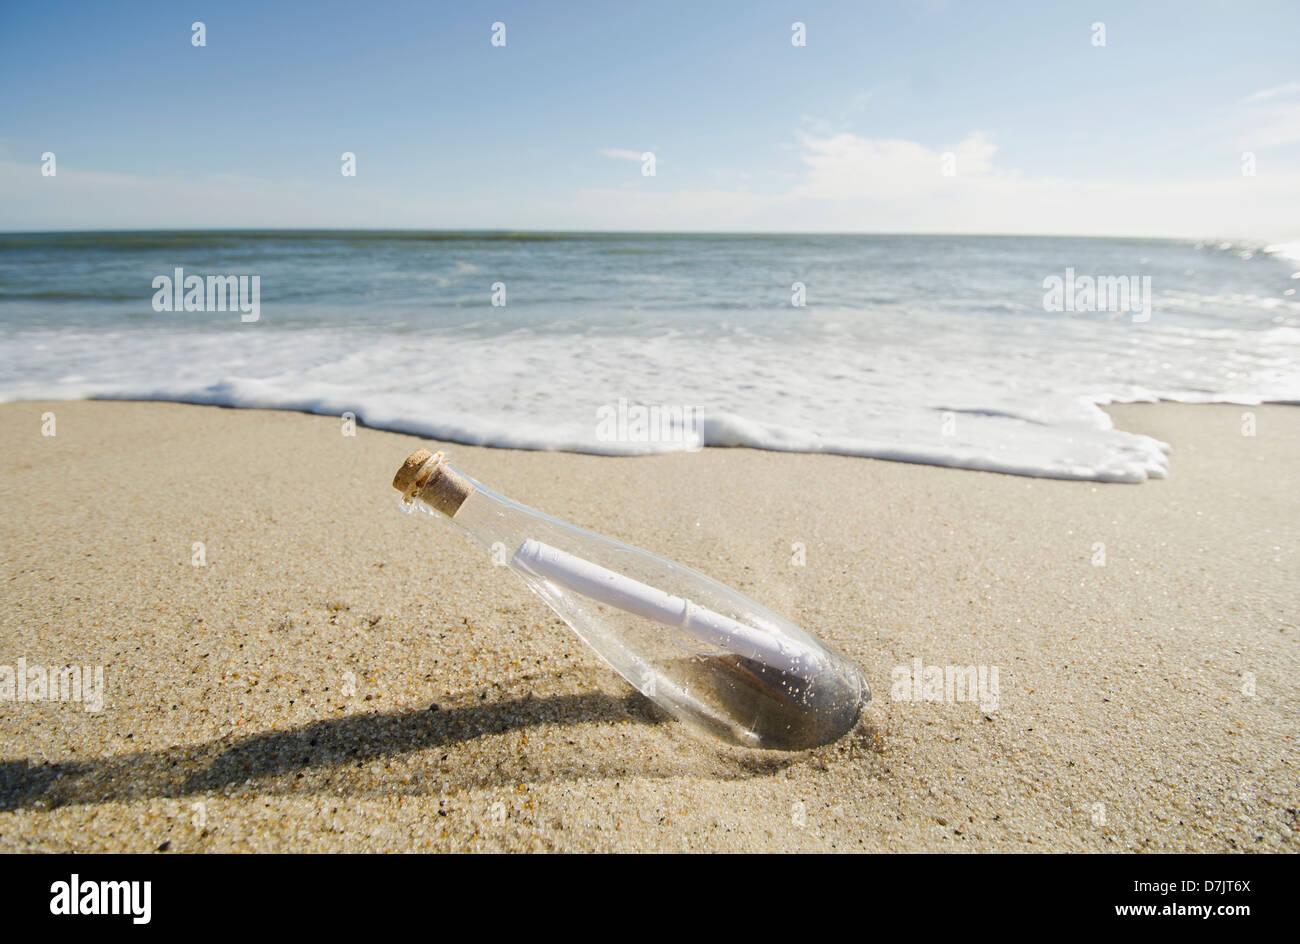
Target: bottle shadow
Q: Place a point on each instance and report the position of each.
(332, 757)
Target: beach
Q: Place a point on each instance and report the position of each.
(292, 664)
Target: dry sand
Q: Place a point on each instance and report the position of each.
(1126, 719)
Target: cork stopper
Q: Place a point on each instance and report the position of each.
(426, 476)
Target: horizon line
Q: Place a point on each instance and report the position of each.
(287, 230)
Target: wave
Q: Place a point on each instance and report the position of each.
(1289, 251)
(929, 350)
(1081, 450)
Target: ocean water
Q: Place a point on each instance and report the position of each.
(932, 349)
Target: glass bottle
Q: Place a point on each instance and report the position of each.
(720, 662)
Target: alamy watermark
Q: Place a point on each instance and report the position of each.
(1117, 293)
(659, 423)
(950, 684)
(181, 292)
(77, 897)
(21, 682)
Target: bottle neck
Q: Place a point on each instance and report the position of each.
(486, 517)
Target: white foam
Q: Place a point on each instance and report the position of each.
(961, 400)
(1285, 250)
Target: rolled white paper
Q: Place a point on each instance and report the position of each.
(606, 586)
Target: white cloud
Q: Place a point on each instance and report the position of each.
(1270, 118)
(848, 183)
(1286, 88)
(858, 184)
(847, 166)
(622, 154)
(897, 186)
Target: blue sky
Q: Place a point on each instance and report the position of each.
(1047, 131)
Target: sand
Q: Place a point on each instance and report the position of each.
(340, 676)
